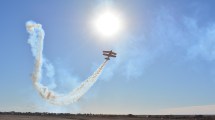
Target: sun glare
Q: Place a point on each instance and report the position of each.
(108, 23)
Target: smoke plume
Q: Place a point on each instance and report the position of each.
(35, 40)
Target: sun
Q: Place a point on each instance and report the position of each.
(108, 23)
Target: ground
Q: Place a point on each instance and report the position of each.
(48, 116)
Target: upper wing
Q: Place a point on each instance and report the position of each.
(106, 51)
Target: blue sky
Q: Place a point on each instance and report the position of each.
(165, 56)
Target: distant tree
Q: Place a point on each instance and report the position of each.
(130, 115)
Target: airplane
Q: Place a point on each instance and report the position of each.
(109, 54)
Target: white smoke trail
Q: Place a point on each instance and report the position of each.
(36, 42)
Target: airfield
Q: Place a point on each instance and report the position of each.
(67, 116)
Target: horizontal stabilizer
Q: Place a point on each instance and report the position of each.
(112, 56)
